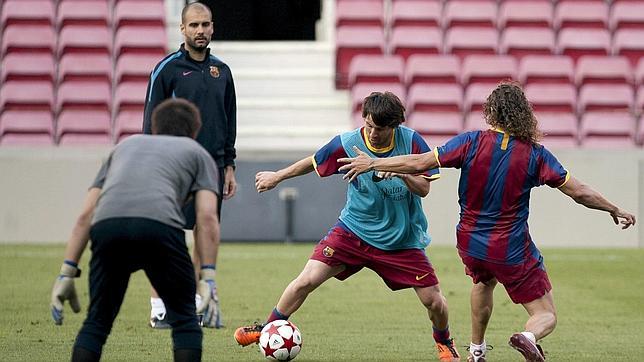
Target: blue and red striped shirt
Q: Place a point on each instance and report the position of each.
(497, 173)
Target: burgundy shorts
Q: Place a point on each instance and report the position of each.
(399, 269)
(523, 282)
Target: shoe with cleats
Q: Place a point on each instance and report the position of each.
(476, 356)
(531, 352)
(248, 335)
(157, 321)
(447, 352)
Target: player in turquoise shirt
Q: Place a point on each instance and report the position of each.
(381, 227)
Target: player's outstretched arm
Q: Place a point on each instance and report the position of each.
(414, 164)
(587, 196)
(266, 180)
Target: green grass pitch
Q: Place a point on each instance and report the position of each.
(599, 295)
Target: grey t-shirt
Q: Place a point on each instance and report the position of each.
(152, 177)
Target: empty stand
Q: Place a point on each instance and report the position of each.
(607, 129)
(127, 123)
(135, 67)
(27, 122)
(626, 15)
(576, 42)
(84, 95)
(476, 95)
(520, 42)
(83, 12)
(475, 122)
(39, 39)
(406, 41)
(27, 95)
(26, 139)
(438, 126)
(85, 39)
(140, 39)
(546, 69)
(629, 43)
(434, 98)
(351, 41)
(522, 13)
(20, 66)
(476, 13)
(432, 69)
(581, 14)
(558, 129)
(83, 127)
(559, 98)
(27, 12)
(359, 12)
(360, 91)
(640, 133)
(129, 96)
(463, 41)
(376, 69)
(639, 101)
(91, 67)
(424, 13)
(597, 69)
(639, 72)
(139, 13)
(488, 69)
(605, 97)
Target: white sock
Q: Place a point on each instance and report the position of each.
(530, 336)
(158, 308)
(478, 347)
(197, 300)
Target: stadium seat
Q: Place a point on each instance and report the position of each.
(18, 66)
(84, 95)
(581, 14)
(84, 39)
(83, 12)
(425, 13)
(488, 69)
(541, 42)
(434, 97)
(639, 73)
(362, 90)
(129, 96)
(639, 101)
(475, 96)
(640, 132)
(128, 123)
(139, 13)
(626, 15)
(26, 12)
(432, 69)
(476, 13)
(407, 40)
(27, 122)
(27, 95)
(560, 98)
(85, 139)
(577, 42)
(463, 41)
(135, 67)
(605, 97)
(608, 130)
(558, 127)
(39, 39)
(90, 67)
(546, 69)
(598, 69)
(83, 127)
(522, 13)
(351, 41)
(360, 13)
(140, 39)
(474, 122)
(436, 124)
(629, 43)
(26, 140)
(369, 68)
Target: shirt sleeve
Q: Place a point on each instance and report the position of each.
(452, 153)
(418, 146)
(99, 180)
(325, 159)
(231, 115)
(157, 91)
(551, 172)
(207, 174)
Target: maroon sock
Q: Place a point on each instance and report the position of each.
(276, 315)
(441, 336)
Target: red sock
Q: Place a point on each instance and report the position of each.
(276, 315)
(441, 336)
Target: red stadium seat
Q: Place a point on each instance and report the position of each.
(129, 96)
(408, 40)
(134, 67)
(27, 95)
(17, 66)
(27, 122)
(488, 69)
(27, 12)
(608, 130)
(84, 95)
(546, 69)
(514, 41)
(608, 70)
(474, 122)
(560, 98)
(559, 125)
(128, 123)
(577, 42)
(85, 139)
(522, 13)
(629, 43)
(639, 73)
(83, 12)
(476, 96)
(85, 39)
(362, 90)
(376, 69)
(425, 13)
(640, 132)
(581, 14)
(39, 39)
(639, 101)
(627, 15)
(475, 13)
(26, 140)
(436, 124)
(359, 12)
(140, 39)
(432, 69)
(90, 67)
(83, 127)
(139, 13)
(434, 97)
(468, 41)
(605, 97)
(352, 41)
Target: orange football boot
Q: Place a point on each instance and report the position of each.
(248, 334)
(447, 352)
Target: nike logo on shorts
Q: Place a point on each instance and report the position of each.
(419, 277)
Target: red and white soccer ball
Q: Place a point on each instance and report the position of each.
(280, 340)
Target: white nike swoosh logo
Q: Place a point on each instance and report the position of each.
(186, 73)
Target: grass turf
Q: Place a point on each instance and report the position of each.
(599, 295)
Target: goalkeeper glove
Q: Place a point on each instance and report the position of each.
(64, 290)
(208, 308)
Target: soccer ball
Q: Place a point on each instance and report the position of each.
(280, 340)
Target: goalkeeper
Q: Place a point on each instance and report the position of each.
(132, 214)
